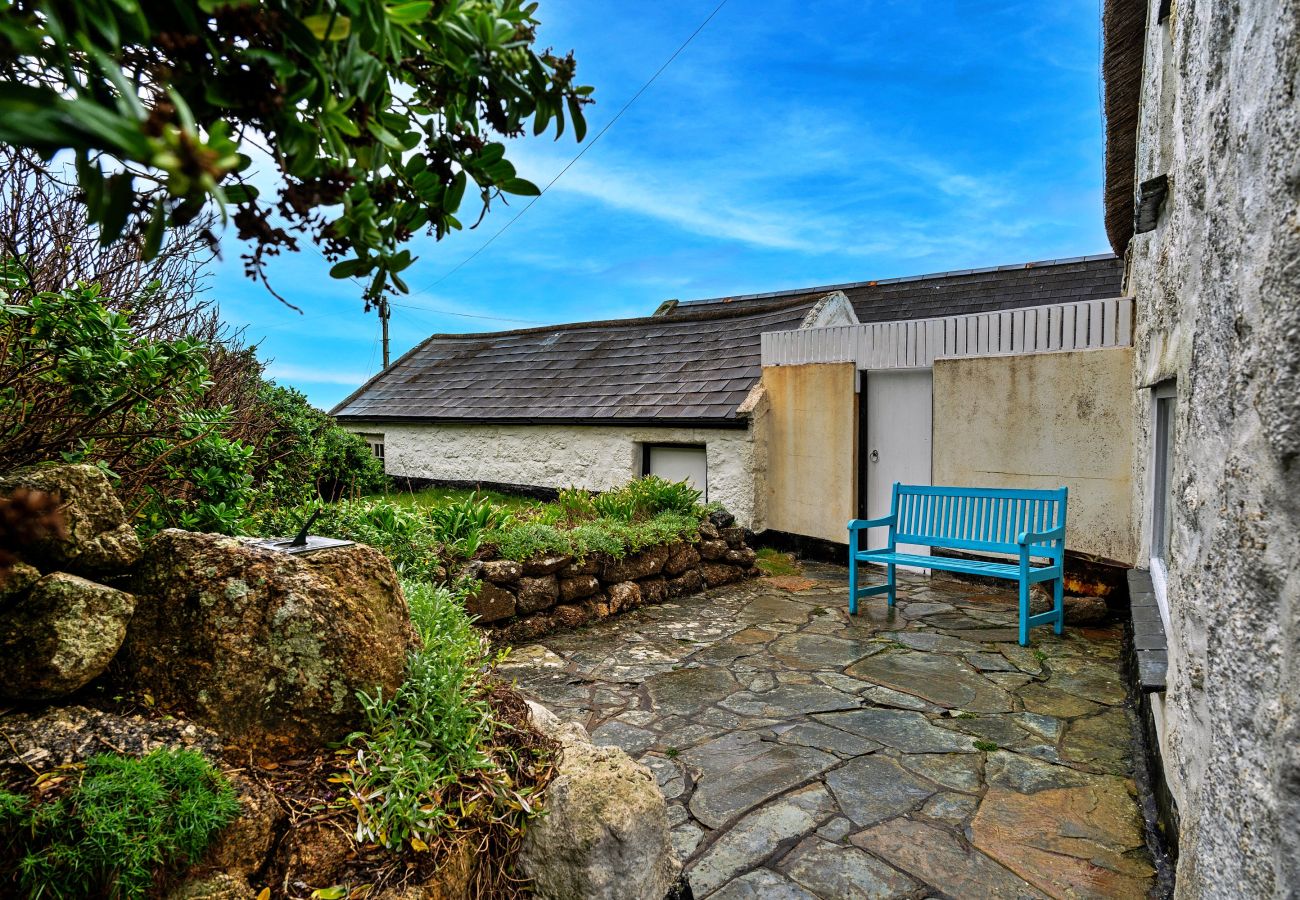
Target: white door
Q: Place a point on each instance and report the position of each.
(898, 442)
(689, 464)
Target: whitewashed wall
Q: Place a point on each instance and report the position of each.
(1217, 284)
(595, 457)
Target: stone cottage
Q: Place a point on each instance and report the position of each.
(1202, 200)
(682, 393)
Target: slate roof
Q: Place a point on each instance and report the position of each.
(958, 293)
(693, 366)
(696, 367)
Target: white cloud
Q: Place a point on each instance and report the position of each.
(314, 374)
(782, 189)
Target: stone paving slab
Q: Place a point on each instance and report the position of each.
(903, 753)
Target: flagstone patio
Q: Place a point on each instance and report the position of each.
(898, 754)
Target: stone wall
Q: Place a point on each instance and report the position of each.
(518, 602)
(594, 457)
(1218, 291)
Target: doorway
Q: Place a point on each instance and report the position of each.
(894, 442)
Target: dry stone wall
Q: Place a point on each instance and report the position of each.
(522, 601)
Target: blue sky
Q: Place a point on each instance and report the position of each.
(791, 144)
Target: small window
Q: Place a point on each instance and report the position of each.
(1163, 462)
(678, 462)
(376, 443)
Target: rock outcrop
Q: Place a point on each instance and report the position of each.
(98, 540)
(58, 636)
(269, 647)
(62, 735)
(605, 833)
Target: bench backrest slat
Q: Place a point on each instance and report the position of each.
(976, 519)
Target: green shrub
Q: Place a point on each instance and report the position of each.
(647, 497)
(404, 534)
(614, 537)
(346, 465)
(575, 505)
(435, 733)
(127, 824)
(459, 524)
(189, 432)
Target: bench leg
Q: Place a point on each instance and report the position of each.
(853, 585)
(1058, 596)
(1024, 612)
(893, 586)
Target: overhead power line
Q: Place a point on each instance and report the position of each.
(586, 147)
(465, 315)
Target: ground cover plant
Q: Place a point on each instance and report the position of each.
(441, 496)
(429, 533)
(116, 826)
(774, 562)
(447, 765)
(430, 764)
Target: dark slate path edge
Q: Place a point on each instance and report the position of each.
(1159, 810)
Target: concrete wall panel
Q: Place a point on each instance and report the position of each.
(810, 436)
(1042, 421)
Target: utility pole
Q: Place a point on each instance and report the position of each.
(383, 318)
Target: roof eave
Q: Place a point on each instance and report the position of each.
(737, 422)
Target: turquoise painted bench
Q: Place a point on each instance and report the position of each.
(1027, 524)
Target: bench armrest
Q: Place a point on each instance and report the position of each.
(1041, 537)
(859, 524)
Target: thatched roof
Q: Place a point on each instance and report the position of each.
(1124, 31)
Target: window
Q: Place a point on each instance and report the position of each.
(678, 462)
(1162, 466)
(376, 444)
(1163, 458)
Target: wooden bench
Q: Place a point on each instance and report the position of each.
(1027, 524)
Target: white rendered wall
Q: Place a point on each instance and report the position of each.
(595, 457)
(1217, 286)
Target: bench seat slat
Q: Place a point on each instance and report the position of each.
(953, 564)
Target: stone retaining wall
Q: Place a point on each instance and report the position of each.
(522, 601)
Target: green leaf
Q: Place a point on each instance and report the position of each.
(384, 136)
(578, 119)
(338, 892)
(522, 187)
(490, 154)
(117, 207)
(456, 192)
(409, 13)
(348, 268)
(153, 234)
(241, 193)
(328, 26)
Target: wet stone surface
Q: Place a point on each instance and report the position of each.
(908, 753)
